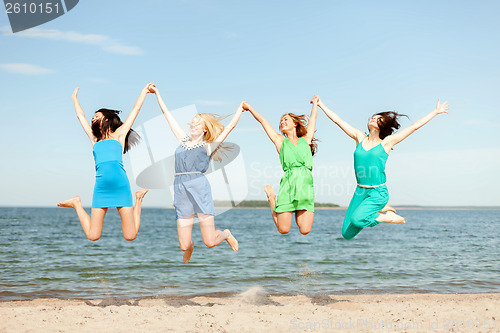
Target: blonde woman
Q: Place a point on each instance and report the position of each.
(192, 192)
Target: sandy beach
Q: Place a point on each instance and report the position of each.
(255, 312)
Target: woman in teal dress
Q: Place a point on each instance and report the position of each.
(110, 137)
(295, 148)
(368, 206)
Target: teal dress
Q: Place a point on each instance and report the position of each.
(369, 167)
(112, 188)
(296, 186)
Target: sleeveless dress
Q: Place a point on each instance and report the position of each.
(112, 188)
(192, 192)
(369, 167)
(296, 186)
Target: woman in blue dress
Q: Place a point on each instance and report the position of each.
(110, 137)
(192, 192)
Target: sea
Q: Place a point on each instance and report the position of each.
(45, 254)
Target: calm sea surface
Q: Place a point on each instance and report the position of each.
(44, 253)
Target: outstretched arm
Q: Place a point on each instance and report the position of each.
(127, 125)
(311, 124)
(223, 135)
(275, 137)
(348, 129)
(174, 126)
(81, 116)
(394, 139)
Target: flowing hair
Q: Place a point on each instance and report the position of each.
(110, 123)
(214, 128)
(388, 123)
(301, 129)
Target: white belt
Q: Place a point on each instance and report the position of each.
(370, 186)
(187, 173)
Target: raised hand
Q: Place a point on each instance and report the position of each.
(441, 107)
(75, 93)
(150, 87)
(245, 106)
(315, 100)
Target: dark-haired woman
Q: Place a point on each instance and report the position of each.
(295, 148)
(368, 206)
(110, 137)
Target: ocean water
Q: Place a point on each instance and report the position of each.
(44, 254)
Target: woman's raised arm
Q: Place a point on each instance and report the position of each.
(232, 124)
(174, 126)
(271, 133)
(81, 116)
(348, 129)
(127, 125)
(393, 139)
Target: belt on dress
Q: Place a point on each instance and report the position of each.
(187, 173)
(371, 186)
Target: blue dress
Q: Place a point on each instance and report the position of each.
(192, 192)
(112, 188)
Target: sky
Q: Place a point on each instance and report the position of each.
(360, 57)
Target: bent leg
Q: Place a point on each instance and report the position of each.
(210, 236)
(184, 230)
(349, 230)
(369, 202)
(131, 217)
(284, 222)
(304, 220)
(91, 225)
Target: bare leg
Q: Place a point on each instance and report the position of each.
(390, 217)
(184, 230)
(387, 208)
(91, 225)
(271, 198)
(211, 237)
(304, 220)
(283, 221)
(131, 217)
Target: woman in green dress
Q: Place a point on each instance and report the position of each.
(295, 148)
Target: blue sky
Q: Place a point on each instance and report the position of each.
(361, 57)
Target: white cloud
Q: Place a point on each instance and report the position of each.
(26, 69)
(106, 43)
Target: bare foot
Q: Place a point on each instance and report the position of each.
(271, 197)
(71, 203)
(387, 208)
(232, 241)
(394, 218)
(188, 253)
(140, 194)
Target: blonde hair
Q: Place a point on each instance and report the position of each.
(213, 127)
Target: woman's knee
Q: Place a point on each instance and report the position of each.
(305, 230)
(283, 230)
(130, 237)
(209, 243)
(185, 245)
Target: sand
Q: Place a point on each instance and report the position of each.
(254, 311)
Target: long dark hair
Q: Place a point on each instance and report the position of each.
(388, 123)
(110, 123)
(301, 129)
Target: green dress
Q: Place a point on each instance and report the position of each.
(296, 186)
